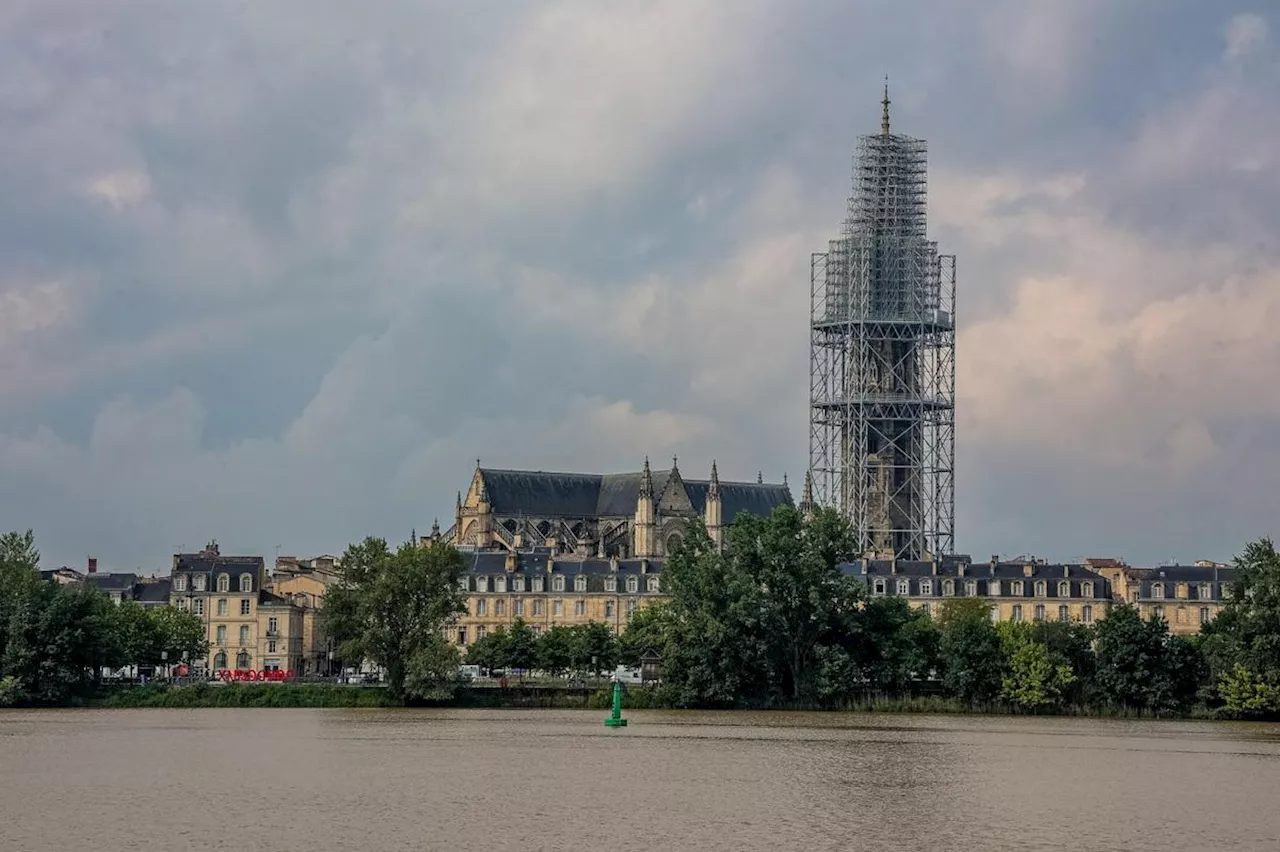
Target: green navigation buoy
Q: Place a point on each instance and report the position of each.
(616, 720)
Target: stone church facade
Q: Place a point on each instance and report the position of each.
(615, 515)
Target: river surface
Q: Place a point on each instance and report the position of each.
(375, 780)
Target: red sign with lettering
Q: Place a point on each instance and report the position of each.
(256, 675)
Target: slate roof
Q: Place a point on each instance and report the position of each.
(1000, 576)
(1190, 574)
(535, 562)
(154, 592)
(613, 495)
(112, 582)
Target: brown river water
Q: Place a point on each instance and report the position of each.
(373, 780)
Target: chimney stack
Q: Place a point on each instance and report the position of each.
(93, 565)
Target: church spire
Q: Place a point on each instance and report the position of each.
(435, 528)
(646, 480)
(806, 496)
(884, 118)
(759, 477)
(714, 489)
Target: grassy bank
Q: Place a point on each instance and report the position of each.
(244, 695)
(539, 696)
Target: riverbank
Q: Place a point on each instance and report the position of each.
(541, 696)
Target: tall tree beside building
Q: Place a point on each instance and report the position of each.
(1142, 667)
(1243, 642)
(973, 664)
(392, 608)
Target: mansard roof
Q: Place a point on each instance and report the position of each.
(535, 562)
(585, 495)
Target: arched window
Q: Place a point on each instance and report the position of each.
(633, 583)
(517, 584)
(611, 584)
(197, 582)
(557, 583)
(971, 588)
(1157, 590)
(1206, 592)
(220, 660)
(1018, 589)
(1041, 589)
(224, 583)
(242, 660)
(1086, 590)
(180, 583)
(877, 586)
(948, 588)
(1064, 589)
(653, 583)
(246, 582)
(926, 589)
(673, 542)
(580, 583)
(904, 587)
(500, 584)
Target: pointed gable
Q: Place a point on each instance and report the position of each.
(674, 498)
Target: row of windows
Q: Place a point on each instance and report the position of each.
(537, 607)
(1181, 616)
(947, 588)
(481, 630)
(220, 660)
(199, 581)
(1064, 614)
(1204, 591)
(245, 606)
(498, 584)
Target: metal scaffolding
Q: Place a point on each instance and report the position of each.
(882, 359)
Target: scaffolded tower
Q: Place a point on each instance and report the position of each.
(882, 359)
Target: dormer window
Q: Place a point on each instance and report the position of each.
(517, 584)
(948, 588)
(926, 588)
(246, 582)
(1018, 589)
(482, 584)
(580, 583)
(557, 583)
(633, 583)
(500, 585)
(877, 586)
(462, 584)
(993, 588)
(1206, 592)
(1042, 589)
(1064, 589)
(224, 583)
(904, 587)
(1157, 590)
(611, 584)
(538, 584)
(180, 583)
(198, 582)
(1086, 590)
(971, 588)
(653, 583)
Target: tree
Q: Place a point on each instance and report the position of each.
(1036, 677)
(521, 651)
(1142, 667)
(972, 660)
(646, 631)
(557, 650)
(180, 635)
(598, 647)
(798, 599)
(489, 652)
(896, 645)
(1246, 633)
(393, 607)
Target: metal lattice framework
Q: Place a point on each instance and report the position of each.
(882, 360)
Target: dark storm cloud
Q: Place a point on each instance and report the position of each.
(279, 272)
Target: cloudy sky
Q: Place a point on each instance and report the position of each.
(279, 272)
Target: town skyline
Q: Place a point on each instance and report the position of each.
(293, 312)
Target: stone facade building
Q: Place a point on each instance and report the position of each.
(248, 627)
(1017, 591)
(303, 582)
(1186, 596)
(588, 515)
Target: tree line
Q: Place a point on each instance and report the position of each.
(772, 621)
(55, 640)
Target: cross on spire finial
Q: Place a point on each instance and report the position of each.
(884, 118)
